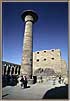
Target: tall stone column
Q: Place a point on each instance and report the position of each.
(30, 18)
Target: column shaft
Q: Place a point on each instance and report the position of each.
(27, 49)
(30, 17)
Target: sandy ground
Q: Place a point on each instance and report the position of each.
(36, 91)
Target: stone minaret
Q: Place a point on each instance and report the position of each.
(30, 17)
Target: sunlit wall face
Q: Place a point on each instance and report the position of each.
(50, 31)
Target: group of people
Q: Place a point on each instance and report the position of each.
(41, 79)
(60, 80)
(23, 81)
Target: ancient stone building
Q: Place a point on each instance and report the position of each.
(10, 73)
(10, 68)
(49, 62)
(45, 62)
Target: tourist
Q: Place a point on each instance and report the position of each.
(41, 79)
(22, 81)
(59, 79)
(25, 82)
(19, 81)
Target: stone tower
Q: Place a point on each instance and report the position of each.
(30, 17)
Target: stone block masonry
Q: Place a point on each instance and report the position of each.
(30, 17)
(49, 59)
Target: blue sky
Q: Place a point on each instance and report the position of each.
(49, 32)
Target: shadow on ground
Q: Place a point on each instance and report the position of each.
(26, 87)
(5, 95)
(8, 80)
(57, 93)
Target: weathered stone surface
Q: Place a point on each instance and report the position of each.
(26, 66)
(49, 59)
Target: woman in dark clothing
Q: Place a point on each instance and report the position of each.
(25, 82)
(22, 81)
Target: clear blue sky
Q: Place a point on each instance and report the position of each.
(49, 32)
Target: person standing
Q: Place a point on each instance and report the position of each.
(59, 79)
(41, 79)
(25, 82)
(22, 81)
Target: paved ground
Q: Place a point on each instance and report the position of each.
(36, 91)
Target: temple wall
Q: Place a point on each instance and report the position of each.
(10, 68)
(41, 59)
(49, 59)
